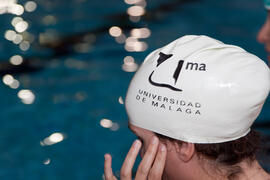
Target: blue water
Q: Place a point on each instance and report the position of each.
(72, 99)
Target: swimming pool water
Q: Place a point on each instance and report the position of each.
(75, 89)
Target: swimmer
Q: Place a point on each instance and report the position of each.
(218, 143)
(264, 33)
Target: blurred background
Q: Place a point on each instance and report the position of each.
(65, 67)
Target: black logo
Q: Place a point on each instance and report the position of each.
(189, 66)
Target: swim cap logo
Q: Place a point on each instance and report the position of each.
(189, 66)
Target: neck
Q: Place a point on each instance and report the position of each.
(249, 171)
(253, 171)
(203, 169)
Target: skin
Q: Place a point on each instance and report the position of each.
(151, 166)
(172, 162)
(168, 161)
(264, 36)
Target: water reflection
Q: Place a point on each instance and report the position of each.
(115, 127)
(121, 39)
(53, 139)
(24, 46)
(16, 60)
(107, 123)
(30, 6)
(21, 26)
(132, 1)
(136, 11)
(26, 96)
(15, 84)
(134, 18)
(8, 79)
(11, 6)
(16, 20)
(115, 31)
(136, 46)
(49, 20)
(120, 100)
(47, 161)
(129, 64)
(140, 32)
(132, 43)
(10, 34)
(17, 39)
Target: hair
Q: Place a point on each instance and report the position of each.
(227, 155)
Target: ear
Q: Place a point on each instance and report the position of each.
(186, 151)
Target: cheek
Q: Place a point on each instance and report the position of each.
(170, 167)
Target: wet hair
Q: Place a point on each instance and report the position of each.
(227, 155)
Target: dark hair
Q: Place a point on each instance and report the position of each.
(228, 154)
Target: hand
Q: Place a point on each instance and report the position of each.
(151, 166)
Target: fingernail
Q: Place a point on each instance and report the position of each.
(162, 147)
(154, 140)
(136, 143)
(105, 156)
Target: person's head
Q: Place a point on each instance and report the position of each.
(218, 158)
(200, 97)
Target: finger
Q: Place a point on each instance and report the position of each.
(159, 164)
(108, 168)
(147, 160)
(126, 170)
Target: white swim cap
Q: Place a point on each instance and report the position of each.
(199, 90)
